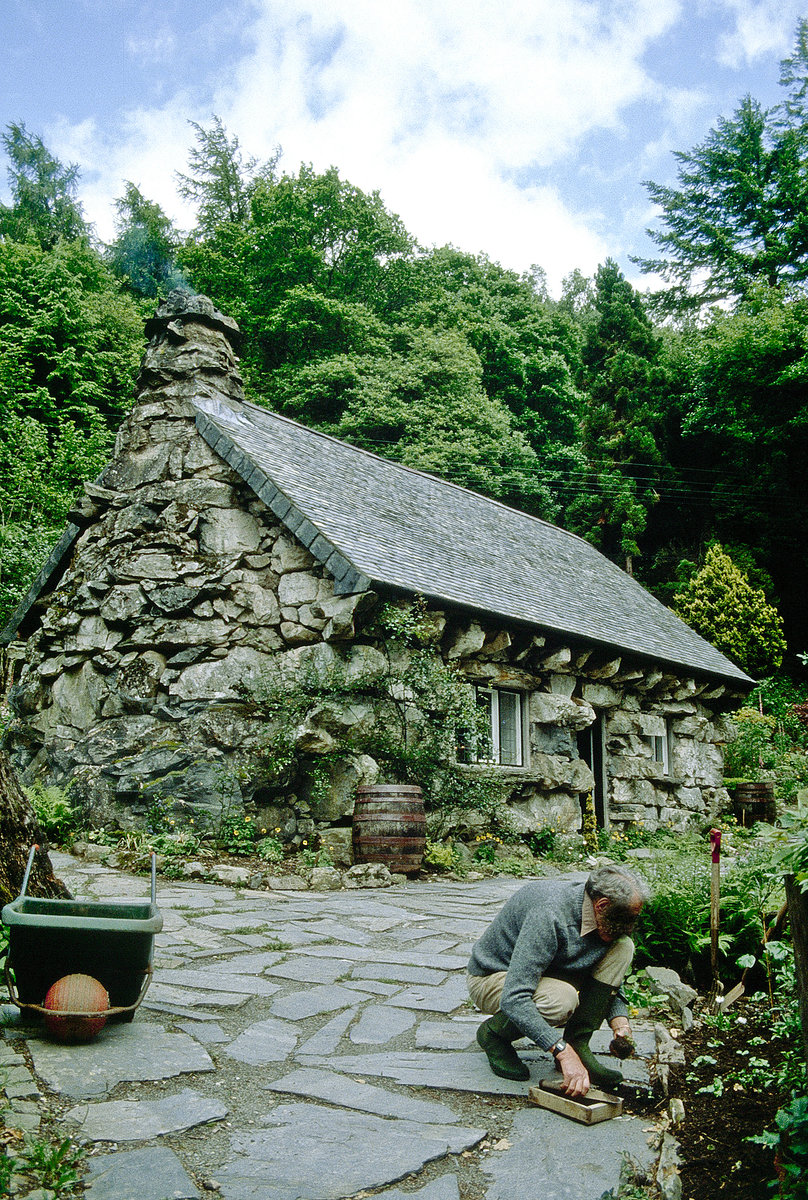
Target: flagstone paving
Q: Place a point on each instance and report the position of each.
(310, 1046)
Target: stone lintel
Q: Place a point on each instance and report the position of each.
(606, 670)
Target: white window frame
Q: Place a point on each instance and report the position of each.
(492, 695)
(660, 745)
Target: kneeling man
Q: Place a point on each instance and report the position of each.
(554, 958)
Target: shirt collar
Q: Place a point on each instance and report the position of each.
(588, 921)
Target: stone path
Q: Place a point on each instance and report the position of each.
(310, 1046)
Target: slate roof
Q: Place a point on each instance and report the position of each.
(372, 521)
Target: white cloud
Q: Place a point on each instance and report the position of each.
(455, 111)
(761, 26)
(158, 46)
(458, 112)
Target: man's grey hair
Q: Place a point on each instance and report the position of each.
(622, 887)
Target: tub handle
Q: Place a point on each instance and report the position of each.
(28, 867)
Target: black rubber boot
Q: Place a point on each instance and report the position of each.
(593, 1005)
(495, 1036)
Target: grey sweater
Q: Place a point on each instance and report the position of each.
(537, 933)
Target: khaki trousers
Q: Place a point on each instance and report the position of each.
(555, 999)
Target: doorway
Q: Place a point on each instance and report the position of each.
(592, 750)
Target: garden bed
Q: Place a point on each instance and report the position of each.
(730, 1088)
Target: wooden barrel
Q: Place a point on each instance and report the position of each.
(754, 802)
(389, 826)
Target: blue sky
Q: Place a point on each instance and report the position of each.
(518, 128)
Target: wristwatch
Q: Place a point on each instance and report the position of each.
(558, 1048)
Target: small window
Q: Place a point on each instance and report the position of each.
(660, 749)
(502, 712)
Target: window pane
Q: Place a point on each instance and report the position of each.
(484, 739)
(510, 729)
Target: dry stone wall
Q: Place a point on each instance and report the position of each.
(184, 591)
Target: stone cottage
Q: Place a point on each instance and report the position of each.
(224, 540)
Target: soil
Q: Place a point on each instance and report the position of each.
(730, 1092)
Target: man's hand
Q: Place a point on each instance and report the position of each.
(622, 1045)
(576, 1076)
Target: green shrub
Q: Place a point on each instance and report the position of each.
(542, 842)
(439, 854)
(753, 754)
(673, 930)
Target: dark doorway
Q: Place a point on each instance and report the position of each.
(590, 749)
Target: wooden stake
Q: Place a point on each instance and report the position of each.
(715, 903)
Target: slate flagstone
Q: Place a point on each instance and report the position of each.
(311, 970)
(337, 1153)
(312, 1001)
(137, 1120)
(150, 1173)
(571, 1160)
(136, 1052)
(444, 998)
(266, 1041)
(223, 980)
(398, 972)
(465, 1071)
(167, 993)
(446, 1035)
(349, 1093)
(326, 1040)
(377, 1025)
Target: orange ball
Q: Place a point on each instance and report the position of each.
(73, 999)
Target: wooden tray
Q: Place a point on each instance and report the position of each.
(592, 1108)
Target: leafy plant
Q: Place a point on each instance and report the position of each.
(315, 858)
(439, 854)
(8, 1167)
(270, 848)
(52, 1162)
(56, 816)
(542, 842)
(236, 835)
(721, 605)
(789, 1141)
(589, 828)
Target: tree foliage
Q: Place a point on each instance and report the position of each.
(70, 344)
(219, 178)
(738, 215)
(721, 605)
(44, 204)
(651, 442)
(623, 419)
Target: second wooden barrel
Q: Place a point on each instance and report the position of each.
(389, 827)
(754, 802)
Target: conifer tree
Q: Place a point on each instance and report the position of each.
(720, 603)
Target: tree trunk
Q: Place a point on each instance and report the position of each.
(798, 916)
(18, 832)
